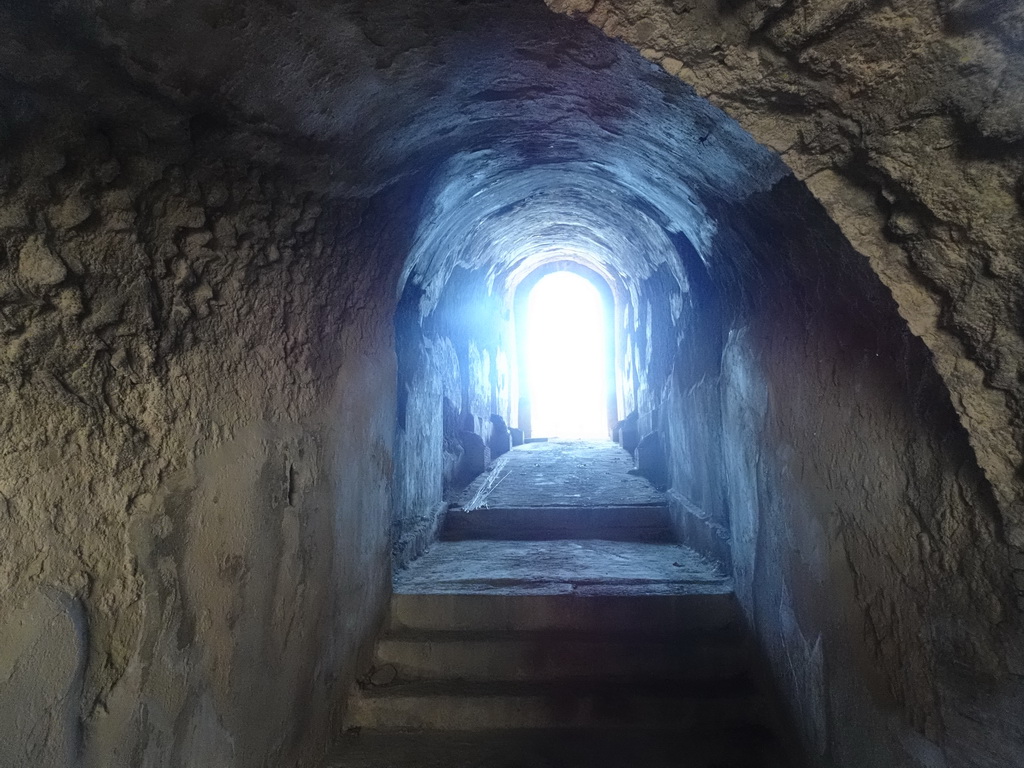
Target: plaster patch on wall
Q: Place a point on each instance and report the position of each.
(806, 676)
(425, 458)
(42, 656)
(744, 406)
(207, 744)
(924, 752)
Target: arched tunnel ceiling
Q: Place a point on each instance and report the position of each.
(578, 160)
(540, 134)
(904, 118)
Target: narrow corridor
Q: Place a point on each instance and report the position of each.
(266, 276)
(558, 623)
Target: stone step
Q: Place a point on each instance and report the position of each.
(622, 523)
(717, 747)
(560, 566)
(697, 608)
(521, 656)
(464, 706)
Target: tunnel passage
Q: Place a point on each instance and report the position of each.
(256, 280)
(758, 356)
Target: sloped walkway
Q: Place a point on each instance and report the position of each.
(561, 473)
(562, 489)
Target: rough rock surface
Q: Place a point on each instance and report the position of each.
(213, 413)
(172, 354)
(866, 543)
(46, 634)
(906, 120)
(629, 432)
(561, 473)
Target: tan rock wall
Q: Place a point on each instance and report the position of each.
(198, 383)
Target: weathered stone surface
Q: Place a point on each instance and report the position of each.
(650, 459)
(605, 748)
(474, 458)
(69, 213)
(563, 473)
(38, 267)
(914, 112)
(43, 645)
(500, 441)
(190, 433)
(559, 567)
(629, 432)
(384, 675)
(198, 281)
(852, 500)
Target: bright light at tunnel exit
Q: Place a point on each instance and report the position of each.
(566, 360)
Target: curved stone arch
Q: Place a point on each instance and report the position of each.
(610, 294)
(905, 122)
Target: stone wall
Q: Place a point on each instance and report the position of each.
(198, 382)
(866, 543)
(906, 120)
(454, 374)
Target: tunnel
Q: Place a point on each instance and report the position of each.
(264, 267)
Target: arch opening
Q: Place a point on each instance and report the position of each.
(566, 357)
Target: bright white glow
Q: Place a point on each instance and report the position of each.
(565, 358)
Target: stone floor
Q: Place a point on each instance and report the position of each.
(574, 473)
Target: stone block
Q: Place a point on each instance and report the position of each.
(500, 440)
(650, 459)
(474, 456)
(629, 432)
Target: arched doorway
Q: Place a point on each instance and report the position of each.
(565, 354)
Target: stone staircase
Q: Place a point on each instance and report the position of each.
(641, 522)
(499, 672)
(511, 643)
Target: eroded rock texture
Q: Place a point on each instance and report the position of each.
(257, 269)
(187, 358)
